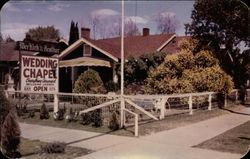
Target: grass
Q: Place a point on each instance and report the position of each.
(170, 122)
(236, 140)
(73, 125)
(29, 149)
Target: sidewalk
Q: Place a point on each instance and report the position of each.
(171, 144)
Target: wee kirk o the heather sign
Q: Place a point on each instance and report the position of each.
(39, 74)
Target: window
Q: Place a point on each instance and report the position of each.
(87, 50)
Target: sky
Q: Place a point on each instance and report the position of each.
(17, 17)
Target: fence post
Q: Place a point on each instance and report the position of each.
(6, 94)
(136, 124)
(122, 111)
(210, 102)
(162, 108)
(225, 100)
(56, 103)
(190, 102)
(236, 95)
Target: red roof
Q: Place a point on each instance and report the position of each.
(134, 45)
(172, 47)
(8, 52)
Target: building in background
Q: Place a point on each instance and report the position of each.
(104, 55)
(10, 53)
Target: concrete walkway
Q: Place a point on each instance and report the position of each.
(171, 144)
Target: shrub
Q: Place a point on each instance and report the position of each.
(60, 114)
(113, 121)
(69, 115)
(89, 82)
(55, 147)
(136, 69)
(188, 45)
(44, 113)
(185, 73)
(86, 118)
(11, 134)
(31, 114)
(112, 86)
(5, 107)
(96, 116)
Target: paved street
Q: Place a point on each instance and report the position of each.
(172, 144)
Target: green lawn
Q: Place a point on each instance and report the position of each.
(169, 122)
(236, 140)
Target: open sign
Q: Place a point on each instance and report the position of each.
(39, 74)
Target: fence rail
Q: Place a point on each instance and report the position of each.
(141, 108)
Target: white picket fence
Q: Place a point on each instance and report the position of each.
(134, 105)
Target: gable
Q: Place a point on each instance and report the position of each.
(80, 43)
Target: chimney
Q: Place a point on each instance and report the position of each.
(145, 32)
(85, 33)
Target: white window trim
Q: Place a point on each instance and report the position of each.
(84, 54)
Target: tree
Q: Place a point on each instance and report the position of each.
(1, 38)
(227, 27)
(136, 69)
(131, 29)
(5, 107)
(242, 73)
(41, 33)
(11, 134)
(9, 39)
(106, 28)
(74, 33)
(166, 22)
(185, 72)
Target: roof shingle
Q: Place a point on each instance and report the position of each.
(8, 52)
(134, 45)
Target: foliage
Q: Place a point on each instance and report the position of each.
(21, 108)
(209, 79)
(86, 118)
(111, 86)
(41, 33)
(31, 114)
(130, 28)
(5, 107)
(185, 73)
(93, 117)
(242, 70)
(11, 134)
(70, 115)
(89, 82)
(136, 69)
(44, 113)
(188, 45)
(1, 38)
(107, 27)
(214, 31)
(9, 39)
(60, 114)
(166, 22)
(113, 121)
(54, 147)
(74, 33)
(96, 118)
(134, 88)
